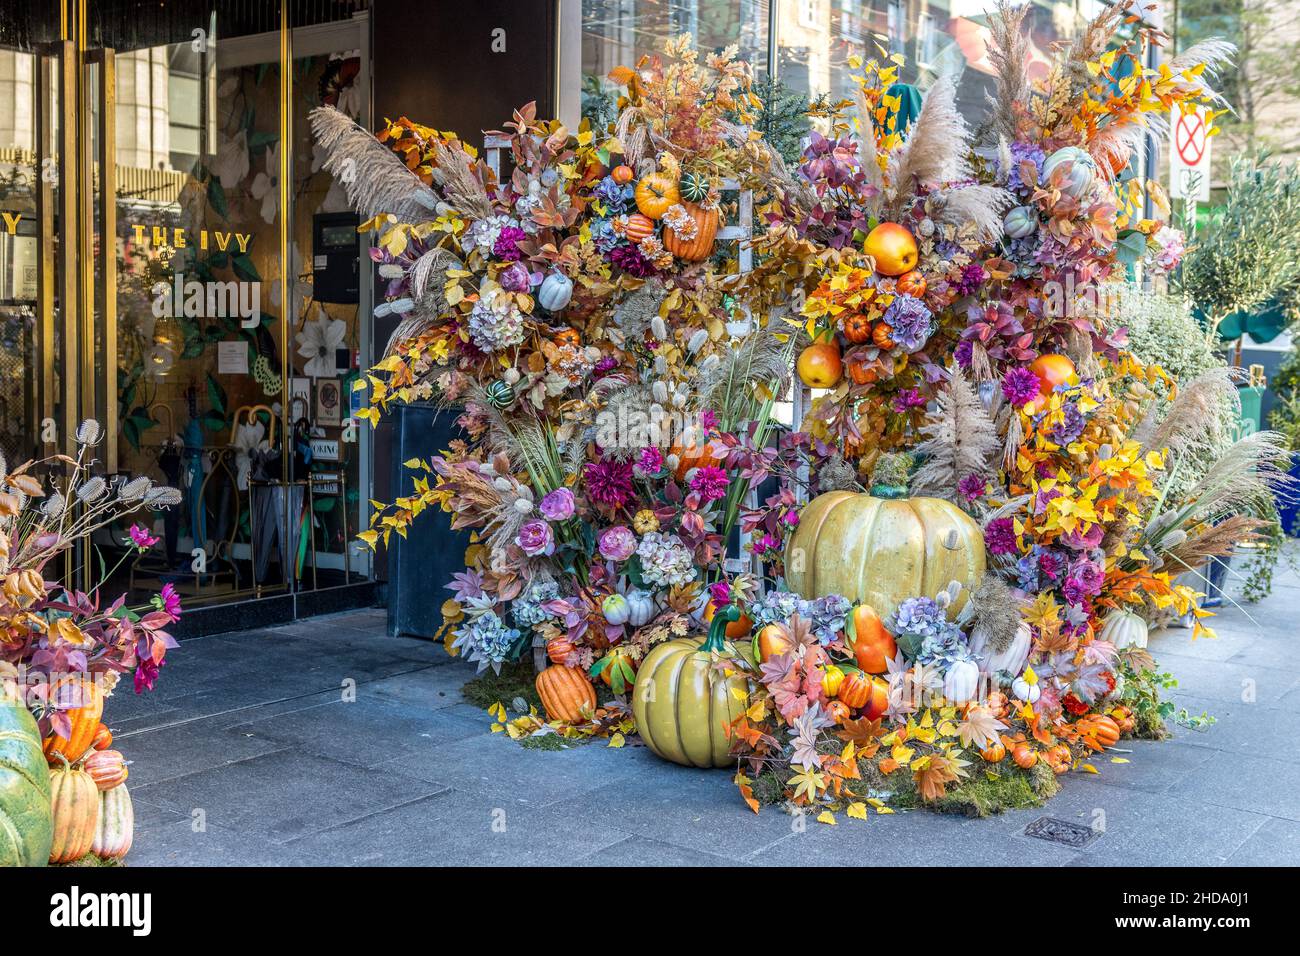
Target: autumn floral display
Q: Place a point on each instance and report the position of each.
(939, 580)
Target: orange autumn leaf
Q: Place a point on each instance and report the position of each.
(932, 774)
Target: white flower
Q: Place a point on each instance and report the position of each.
(301, 288)
(266, 185)
(231, 162)
(248, 438)
(317, 342)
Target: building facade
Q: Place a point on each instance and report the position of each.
(175, 263)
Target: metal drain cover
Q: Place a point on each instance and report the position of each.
(1051, 829)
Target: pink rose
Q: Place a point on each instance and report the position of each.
(536, 538)
(558, 505)
(617, 543)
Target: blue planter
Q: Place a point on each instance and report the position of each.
(1287, 509)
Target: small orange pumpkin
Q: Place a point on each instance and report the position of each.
(655, 193)
(1058, 758)
(566, 336)
(772, 642)
(855, 689)
(880, 336)
(559, 648)
(706, 230)
(1104, 730)
(1024, 756)
(622, 174)
(638, 227)
(565, 693)
(911, 283)
(1123, 716)
(698, 455)
(737, 628)
(997, 702)
(838, 711)
(84, 722)
(995, 753)
(74, 805)
(857, 328)
(873, 646)
(860, 369)
(107, 768)
(103, 737)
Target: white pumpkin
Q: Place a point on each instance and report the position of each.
(555, 292)
(1125, 629)
(1026, 691)
(116, 827)
(1011, 660)
(961, 683)
(616, 608)
(641, 607)
(1082, 173)
(1020, 222)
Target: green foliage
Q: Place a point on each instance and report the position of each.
(1143, 693)
(1263, 561)
(1243, 260)
(515, 680)
(783, 117)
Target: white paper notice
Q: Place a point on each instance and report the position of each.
(232, 358)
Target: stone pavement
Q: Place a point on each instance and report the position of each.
(246, 754)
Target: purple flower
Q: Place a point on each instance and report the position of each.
(146, 673)
(141, 538)
(1020, 386)
(168, 601)
(1071, 425)
(629, 259)
(765, 544)
(558, 505)
(972, 487)
(1021, 152)
(606, 365)
(708, 420)
(536, 538)
(791, 518)
(964, 353)
(972, 277)
(515, 278)
(910, 322)
(609, 482)
(1000, 536)
(507, 244)
(709, 482)
(617, 543)
(652, 460)
(614, 196)
(1084, 541)
(908, 399)
(721, 593)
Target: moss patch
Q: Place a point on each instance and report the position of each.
(515, 680)
(92, 861)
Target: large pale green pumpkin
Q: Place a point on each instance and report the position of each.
(681, 704)
(881, 548)
(25, 825)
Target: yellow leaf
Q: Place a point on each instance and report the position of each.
(617, 740)
(1088, 768)
(857, 811)
(1119, 760)
(827, 818)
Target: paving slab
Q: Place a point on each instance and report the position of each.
(285, 794)
(455, 829)
(1275, 843)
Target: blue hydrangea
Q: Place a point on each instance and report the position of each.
(925, 633)
(487, 640)
(616, 197)
(910, 322)
(1019, 153)
(527, 609)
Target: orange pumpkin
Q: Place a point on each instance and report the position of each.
(838, 711)
(911, 283)
(880, 336)
(74, 805)
(559, 648)
(638, 227)
(855, 689)
(566, 336)
(997, 702)
(107, 768)
(878, 705)
(84, 721)
(1024, 756)
(857, 328)
(873, 646)
(994, 754)
(622, 174)
(697, 455)
(772, 642)
(565, 693)
(1104, 730)
(820, 365)
(737, 628)
(1123, 716)
(103, 737)
(706, 230)
(655, 193)
(1058, 758)
(860, 369)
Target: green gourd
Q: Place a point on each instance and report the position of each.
(681, 703)
(26, 827)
